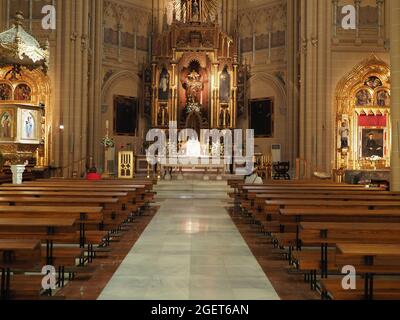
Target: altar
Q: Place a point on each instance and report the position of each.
(207, 166)
(195, 78)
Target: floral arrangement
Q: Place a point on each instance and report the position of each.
(193, 107)
(108, 142)
(217, 148)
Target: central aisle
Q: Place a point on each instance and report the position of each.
(190, 251)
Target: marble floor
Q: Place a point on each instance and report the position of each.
(190, 251)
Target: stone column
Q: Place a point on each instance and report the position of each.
(3, 10)
(395, 92)
(78, 70)
(56, 113)
(85, 88)
(293, 82)
(65, 92)
(324, 105)
(95, 81)
(315, 97)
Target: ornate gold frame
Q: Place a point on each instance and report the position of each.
(347, 110)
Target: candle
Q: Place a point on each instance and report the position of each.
(107, 123)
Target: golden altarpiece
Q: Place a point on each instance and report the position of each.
(24, 93)
(192, 79)
(363, 121)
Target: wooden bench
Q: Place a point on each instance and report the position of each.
(16, 254)
(368, 254)
(328, 234)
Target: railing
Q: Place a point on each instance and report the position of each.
(80, 164)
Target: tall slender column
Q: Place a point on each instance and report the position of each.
(323, 104)
(77, 105)
(65, 89)
(85, 87)
(292, 88)
(395, 92)
(56, 146)
(3, 10)
(315, 85)
(303, 56)
(96, 81)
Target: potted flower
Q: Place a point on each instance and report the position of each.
(109, 155)
(108, 142)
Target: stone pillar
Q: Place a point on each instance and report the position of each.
(315, 84)
(293, 82)
(3, 10)
(64, 58)
(316, 112)
(95, 81)
(324, 105)
(69, 146)
(78, 70)
(395, 92)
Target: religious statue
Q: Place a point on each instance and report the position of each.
(224, 118)
(195, 11)
(225, 86)
(164, 86)
(344, 132)
(5, 125)
(194, 90)
(29, 127)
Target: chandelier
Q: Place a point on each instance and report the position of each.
(19, 48)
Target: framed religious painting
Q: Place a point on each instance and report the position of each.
(29, 126)
(7, 124)
(125, 116)
(373, 143)
(261, 113)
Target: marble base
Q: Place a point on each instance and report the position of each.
(17, 173)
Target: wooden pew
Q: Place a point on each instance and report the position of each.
(328, 234)
(48, 230)
(114, 212)
(144, 188)
(16, 254)
(365, 257)
(85, 216)
(251, 199)
(337, 214)
(133, 196)
(47, 204)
